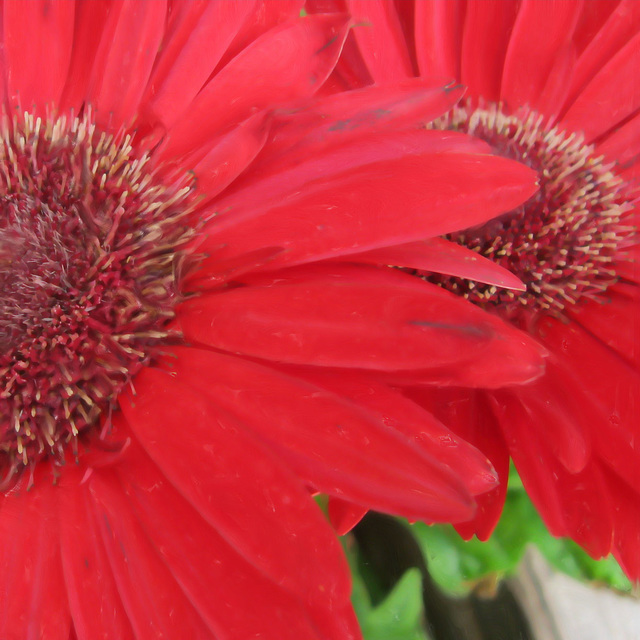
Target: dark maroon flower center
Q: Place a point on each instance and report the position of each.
(91, 242)
(563, 242)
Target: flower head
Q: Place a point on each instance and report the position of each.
(190, 349)
(555, 90)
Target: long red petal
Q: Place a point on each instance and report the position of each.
(532, 61)
(603, 381)
(94, 600)
(195, 43)
(33, 601)
(438, 33)
(338, 447)
(613, 33)
(468, 414)
(124, 59)
(266, 530)
(420, 426)
(157, 606)
(289, 62)
(38, 37)
(442, 256)
(363, 318)
(380, 204)
(237, 600)
(487, 28)
(380, 39)
(610, 97)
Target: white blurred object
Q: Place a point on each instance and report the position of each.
(561, 608)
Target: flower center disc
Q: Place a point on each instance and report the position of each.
(91, 242)
(563, 241)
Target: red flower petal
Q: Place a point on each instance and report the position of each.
(235, 599)
(622, 144)
(266, 15)
(267, 530)
(379, 35)
(438, 32)
(436, 193)
(122, 66)
(344, 515)
(94, 600)
(603, 381)
(468, 414)
(487, 29)
(231, 155)
(532, 61)
(556, 420)
(38, 36)
(626, 506)
(289, 62)
(442, 256)
(574, 505)
(421, 428)
(613, 32)
(619, 310)
(156, 605)
(90, 19)
(336, 120)
(195, 42)
(360, 318)
(32, 596)
(335, 445)
(609, 98)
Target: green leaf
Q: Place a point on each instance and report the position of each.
(399, 616)
(457, 565)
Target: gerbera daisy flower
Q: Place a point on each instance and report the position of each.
(553, 85)
(185, 335)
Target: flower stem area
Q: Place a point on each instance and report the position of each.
(420, 582)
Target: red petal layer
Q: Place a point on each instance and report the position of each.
(289, 62)
(613, 32)
(531, 62)
(438, 33)
(610, 97)
(468, 414)
(94, 600)
(574, 505)
(267, 530)
(379, 35)
(38, 37)
(235, 599)
(231, 155)
(33, 601)
(156, 605)
(421, 428)
(442, 256)
(123, 61)
(604, 382)
(487, 29)
(344, 515)
(336, 446)
(195, 42)
(360, 209)
(362, 318)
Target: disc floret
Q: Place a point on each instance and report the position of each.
(562, 243)
(92, 243)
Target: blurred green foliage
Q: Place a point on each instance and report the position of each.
(457, 564)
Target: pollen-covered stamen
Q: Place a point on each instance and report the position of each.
(91, 247)
(562, 243)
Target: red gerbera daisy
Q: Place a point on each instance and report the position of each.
(179, 372)
(553, 85)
